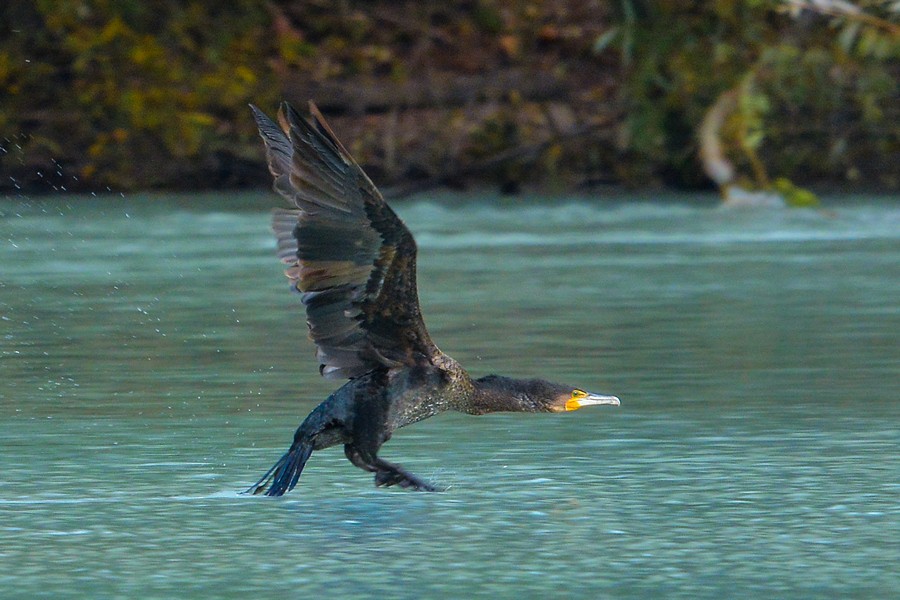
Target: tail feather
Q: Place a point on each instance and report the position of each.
(283, 476)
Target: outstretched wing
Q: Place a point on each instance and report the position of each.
(351, 257)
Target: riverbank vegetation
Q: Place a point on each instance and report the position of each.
(563, 95)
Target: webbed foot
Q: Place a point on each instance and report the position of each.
(388, 474)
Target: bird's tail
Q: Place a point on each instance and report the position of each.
(283, 476)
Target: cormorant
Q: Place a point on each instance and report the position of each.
(354, 263)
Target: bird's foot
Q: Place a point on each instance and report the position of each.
(394, 475)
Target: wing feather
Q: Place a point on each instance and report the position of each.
(346, 251)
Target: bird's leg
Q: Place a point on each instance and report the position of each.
(386, 474)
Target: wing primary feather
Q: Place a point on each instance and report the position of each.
(347, 253)
(278, 146)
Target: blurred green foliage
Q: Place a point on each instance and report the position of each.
(813, 85)
(124, 82)
(131, 94)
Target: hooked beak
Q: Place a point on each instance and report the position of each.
(591, 400)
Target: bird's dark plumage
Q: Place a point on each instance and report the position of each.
(354, 263)
(348, 253)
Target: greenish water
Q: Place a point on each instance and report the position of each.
(153, 364)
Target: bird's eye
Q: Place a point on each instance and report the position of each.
(578, 393)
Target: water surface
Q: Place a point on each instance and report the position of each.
(153, 364)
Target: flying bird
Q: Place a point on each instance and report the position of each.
(354, 263)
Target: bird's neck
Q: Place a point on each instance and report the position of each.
(501, 394)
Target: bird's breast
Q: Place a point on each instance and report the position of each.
(417, 395)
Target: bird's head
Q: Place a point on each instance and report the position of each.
(574, 398)
(497, 393)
